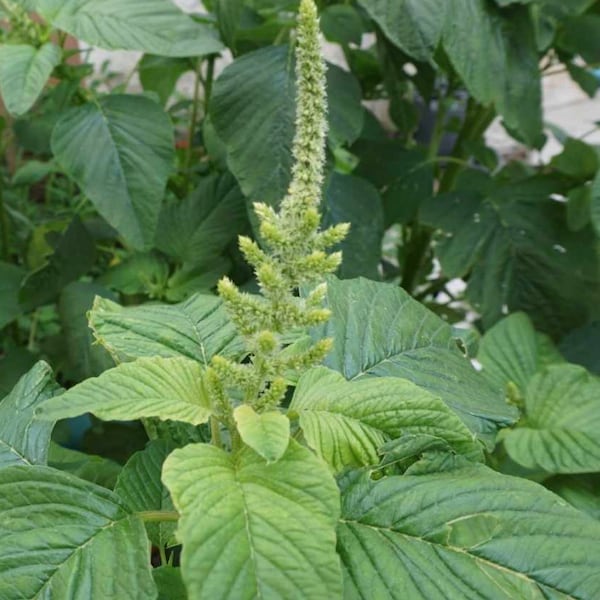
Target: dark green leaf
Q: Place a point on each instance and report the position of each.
(578, 160)
(10, 282)
(582, 346)
(159, 74)
(342, 23)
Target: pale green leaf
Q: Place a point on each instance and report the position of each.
(198, 328)
(267, 433)
(155, 26)
(347, 422)
(559, 433)
(169, 583)
(167, 388)
(140, 488)
(253, 530)
(24, 72)
(378, 329)
(66, 539)
(120, 151)
(466, 533)
(23, 440)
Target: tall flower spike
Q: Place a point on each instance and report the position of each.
(294, 253)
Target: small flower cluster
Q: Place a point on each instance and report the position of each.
(294, 253)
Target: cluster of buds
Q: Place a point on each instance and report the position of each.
(293, 255)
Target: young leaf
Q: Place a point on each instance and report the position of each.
(378, 329)
(119, 150)
(140, 488)
(23, 440)
(66, 538)
(562, 416)
(155, 26)
(465, 533)
(167, 388)
(250, 529)
(24, 71)
(198, 328)
(268, 433)
(348, 422)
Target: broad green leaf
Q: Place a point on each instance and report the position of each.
(169, 583)
(411, 445)
(140, 488)
(582, 346)
(254, 530)
(508, 352)
(190, 279)
(513, 240)
(159, 74)
(353, 200)
(200, 227)
(167, 388)
(24, 440)
(466, 533)
(579, 206)
(33, 171)
(254, 117)
(347, 422)
(119, 150)
(342, 23)
(378, 329)
(267, 433)
(559, 433)
(24, 72)
(415, 26)
(140, 273)
(66, 539)
(578, 160)
(73, 256)
(10, 282)
(155, 26)
(198, 329)
(582, 491)
(95, 469)
(15, 362)
(579, 35)
(83, 358)
(495, 54)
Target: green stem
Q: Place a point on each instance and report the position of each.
(208, 83)
(192, 124)
(157, 516)
(163, 555)
(415, 257)
(215, 432)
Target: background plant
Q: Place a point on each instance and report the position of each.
(129, 205)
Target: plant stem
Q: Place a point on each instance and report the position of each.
(208, 83)
(163, 555)
(192, 124)
(157, 516)
(215, 432)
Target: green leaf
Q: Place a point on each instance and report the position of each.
(578, 160)
(267, 433)
(169, 583)
(411, 445)
(512, 238)
(353, 200)
(579, 207)
(10, 282)
(24, 440)
(83, 357)
(140, 488)
(33, 171)
(66, 538)
(155, 26)
(95, 469)
(160, 74)
(74, 255)
(273, 538)
(415, 26)
(198, 328)
(378, 329)
(119, 150)
(580, 35)
(582, 346)
(342, 24)
(582, 491)
(15, 362)
(495, 54)
(24, 72)
(508, 352)
(140, 273)
(559, 433)
(201, 226)
(254, 117)
(595, 204)
(347, 422)
(466, 533)
(167, 388)
(584, 78)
